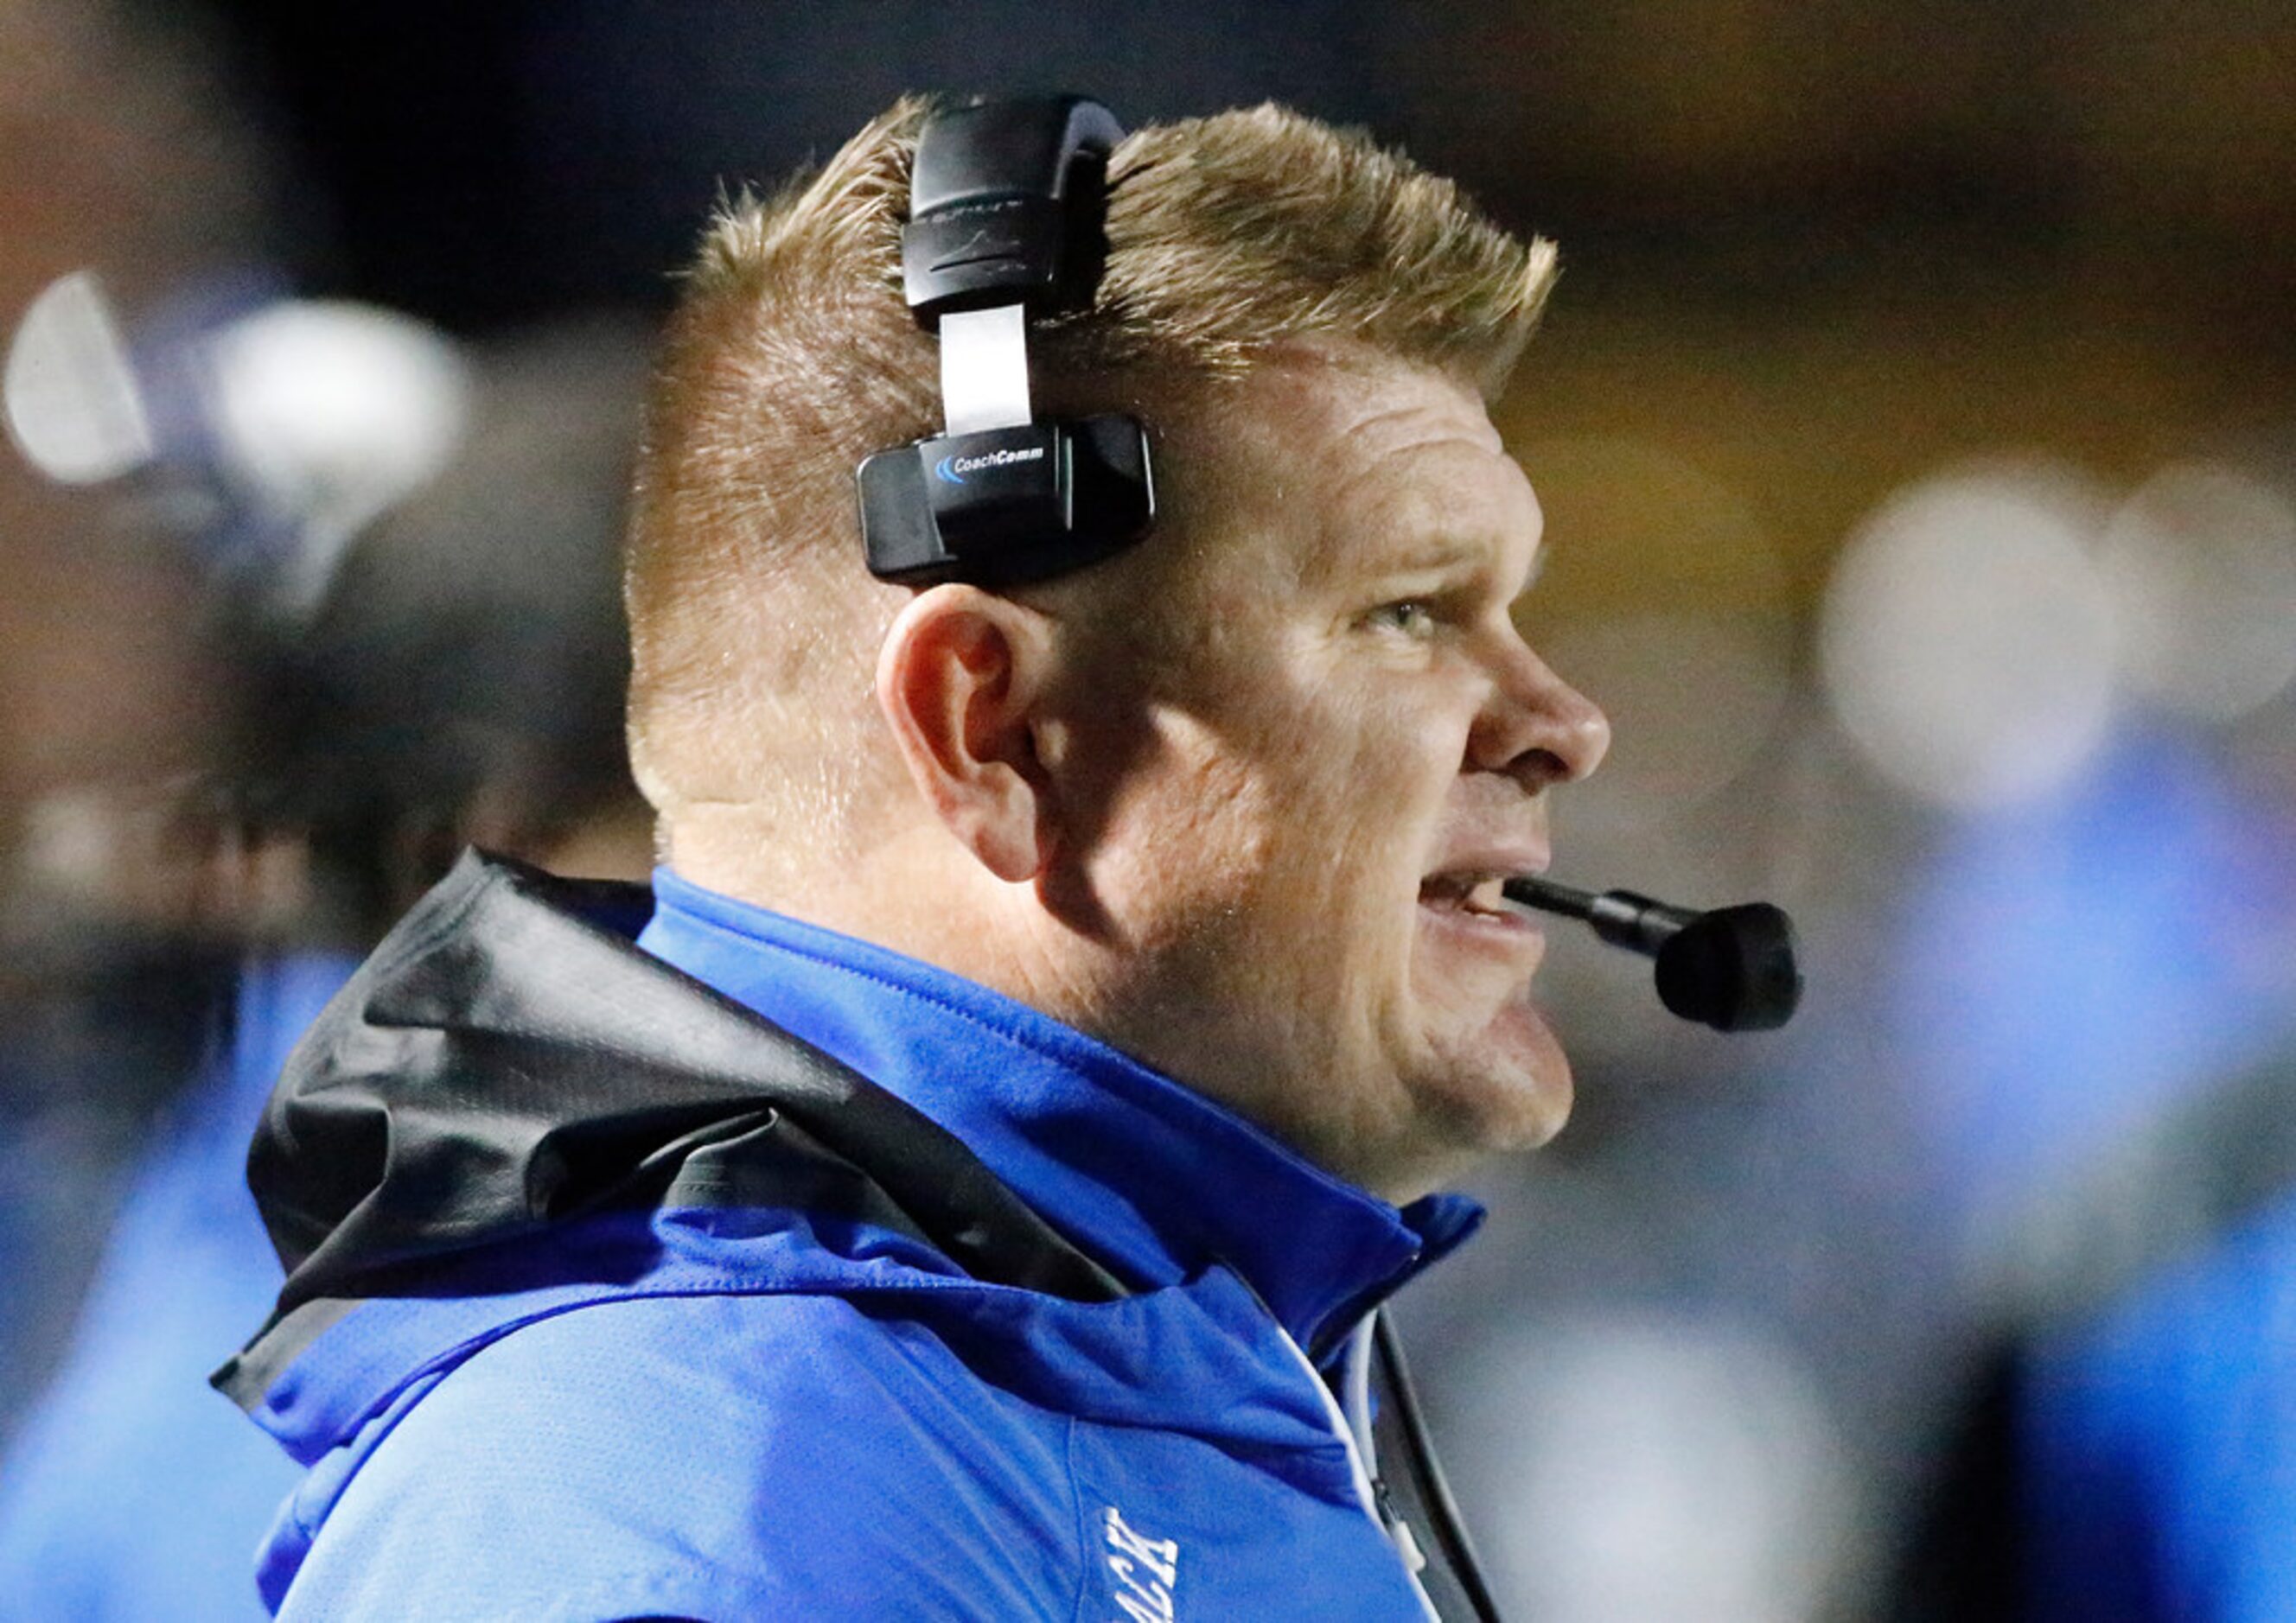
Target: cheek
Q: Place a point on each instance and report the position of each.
(1349, 772)
(1342, 790)
(1294, 814)
(1187, 830)
(1394, 766)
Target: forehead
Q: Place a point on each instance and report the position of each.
(1363, 466)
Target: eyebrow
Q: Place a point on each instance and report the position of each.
(1423, 532)
(1442, 554)
(1424, 555)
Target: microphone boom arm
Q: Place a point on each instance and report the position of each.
(1731, 969)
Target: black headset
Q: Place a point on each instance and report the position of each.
(1007, 222)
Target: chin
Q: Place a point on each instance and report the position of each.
(1508, 1088)
(1496, 1078)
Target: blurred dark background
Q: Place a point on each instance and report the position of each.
(1914, 428)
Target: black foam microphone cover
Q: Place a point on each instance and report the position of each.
(1731, 969)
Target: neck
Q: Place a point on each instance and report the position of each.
(915, 891)
(912, 889)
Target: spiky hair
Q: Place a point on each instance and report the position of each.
(792, 356)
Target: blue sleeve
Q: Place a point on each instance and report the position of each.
(709, 1457)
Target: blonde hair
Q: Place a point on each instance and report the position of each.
(792, 356)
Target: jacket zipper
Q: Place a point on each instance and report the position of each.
(1338, 1421)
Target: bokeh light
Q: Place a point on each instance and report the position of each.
(2201, 561)
(73, 408)
(1967, 641)
(1659, 1467)
(330, 412)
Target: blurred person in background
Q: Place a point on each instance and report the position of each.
(2154, 1399)
(2151, 1446)
(459, 680)
(203, 812)
(114, 152)
(2125, 1447)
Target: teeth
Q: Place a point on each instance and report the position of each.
(1473, 892)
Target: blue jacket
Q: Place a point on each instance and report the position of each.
(131, 1493)
(616, 1290)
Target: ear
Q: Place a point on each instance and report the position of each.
(960, 679)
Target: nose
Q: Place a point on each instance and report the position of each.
(1535, 726)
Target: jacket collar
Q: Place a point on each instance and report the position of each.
(1153, 1178)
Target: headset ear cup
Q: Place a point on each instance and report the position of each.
(917, 530)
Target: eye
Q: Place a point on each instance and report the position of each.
(1413, 617)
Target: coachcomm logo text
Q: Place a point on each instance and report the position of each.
(952, 469)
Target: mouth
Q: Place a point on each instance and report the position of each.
(1468, 905)
(1477, 894)
(1463, 913)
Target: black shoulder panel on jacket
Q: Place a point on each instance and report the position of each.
(507, 1059)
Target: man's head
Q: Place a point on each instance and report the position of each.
(1225, 801)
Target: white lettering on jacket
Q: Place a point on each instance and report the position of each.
(1146, 1569)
